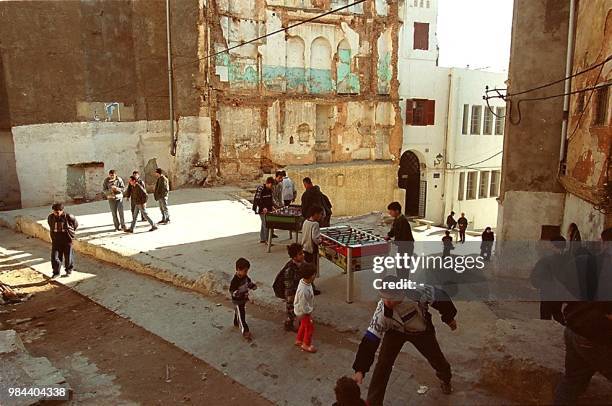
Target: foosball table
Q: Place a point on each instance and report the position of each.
(351, 249)
(284, 218)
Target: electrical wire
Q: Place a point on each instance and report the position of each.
(479, 162)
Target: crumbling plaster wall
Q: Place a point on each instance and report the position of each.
(268, 91)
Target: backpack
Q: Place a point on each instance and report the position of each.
(279, 284)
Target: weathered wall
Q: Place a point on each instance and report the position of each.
(532, 140)
(589, 145)
(353, 188)
(324, 92)
(10, 197)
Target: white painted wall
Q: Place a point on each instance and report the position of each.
(451, 88)
(590, 222)
(43, 151)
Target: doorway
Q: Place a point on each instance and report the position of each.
(409, 179)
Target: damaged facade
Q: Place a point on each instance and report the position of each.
(89, 92)
(552, 177)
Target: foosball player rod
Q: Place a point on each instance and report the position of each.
(349, 275)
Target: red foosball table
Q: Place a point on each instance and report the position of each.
(352, 249)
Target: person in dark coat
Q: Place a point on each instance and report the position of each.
(462, 223)
(312, 197)
(139, 197)
(128, 193)
(487, 243)
(450, 221)
(447, 244)
(263, 202)
(62, 228)
(401, 233)
(162, 190)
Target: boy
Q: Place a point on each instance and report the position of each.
(403, 316)
(291, 272)
(348, 393)
(239, 289)
(303, 306)
(311, 238)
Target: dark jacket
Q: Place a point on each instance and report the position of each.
(129, 188)
(401, 230)
(314, 197)
(292, 278)
(62, 228)
(462, 222)
(451, 222)
(239, 289)
(162, 187)
(487, 239)
(386, 319)
(138, 194)
(263, 199)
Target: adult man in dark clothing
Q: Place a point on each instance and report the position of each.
(62, 227)
(263, 202)
(401, 232)
(447, 244)
(403, 316)
(588, 336)
(312, 197)
(139, 197)
(450, 221)
(128, 192)
(462, 223)
(160, 194)
(486, 246)
(547, 276)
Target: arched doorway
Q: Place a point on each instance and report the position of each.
(409, 178)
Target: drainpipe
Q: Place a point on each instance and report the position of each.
(568, 84)
(445, 151)
(170, 81)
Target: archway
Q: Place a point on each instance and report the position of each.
(409, 178)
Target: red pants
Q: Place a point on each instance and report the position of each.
(306, 329)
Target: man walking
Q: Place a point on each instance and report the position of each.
(263, 203)
(463, 223)
(62, 227)
(129, 190)
(403, 316)
(162, 189)
(113, 187)
(139, 197)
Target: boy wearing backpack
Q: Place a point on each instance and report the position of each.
(290, 276)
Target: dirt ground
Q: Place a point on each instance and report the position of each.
(107, 359)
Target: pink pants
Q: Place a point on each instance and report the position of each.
(306, 329)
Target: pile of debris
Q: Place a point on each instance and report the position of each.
(9, 295)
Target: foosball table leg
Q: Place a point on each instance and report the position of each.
(270, 232)
(296, 236)
(349, 275)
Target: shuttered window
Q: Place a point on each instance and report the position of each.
(421, 36)
(420, 112)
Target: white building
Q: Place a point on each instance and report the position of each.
(451, 154)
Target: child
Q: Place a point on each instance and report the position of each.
(303, 307)
(239, 289)
(311, 238)
(291, 272)
(348, 393)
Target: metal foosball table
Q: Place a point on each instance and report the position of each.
(284, 218)
(352, 250)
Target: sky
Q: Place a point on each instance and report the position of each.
(475, 33)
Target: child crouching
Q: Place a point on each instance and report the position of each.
(303, 306)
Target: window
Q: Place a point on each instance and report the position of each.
(488, 122)
(471, 185)
(483, 190)
(476, 113)
(428, 4)
(495, 181)
(466, 118)
(600, 113)
(420, 112)
(500, 120)
(461, 185)
(421, 35)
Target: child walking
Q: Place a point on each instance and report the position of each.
(239, 289)
(303, 306)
